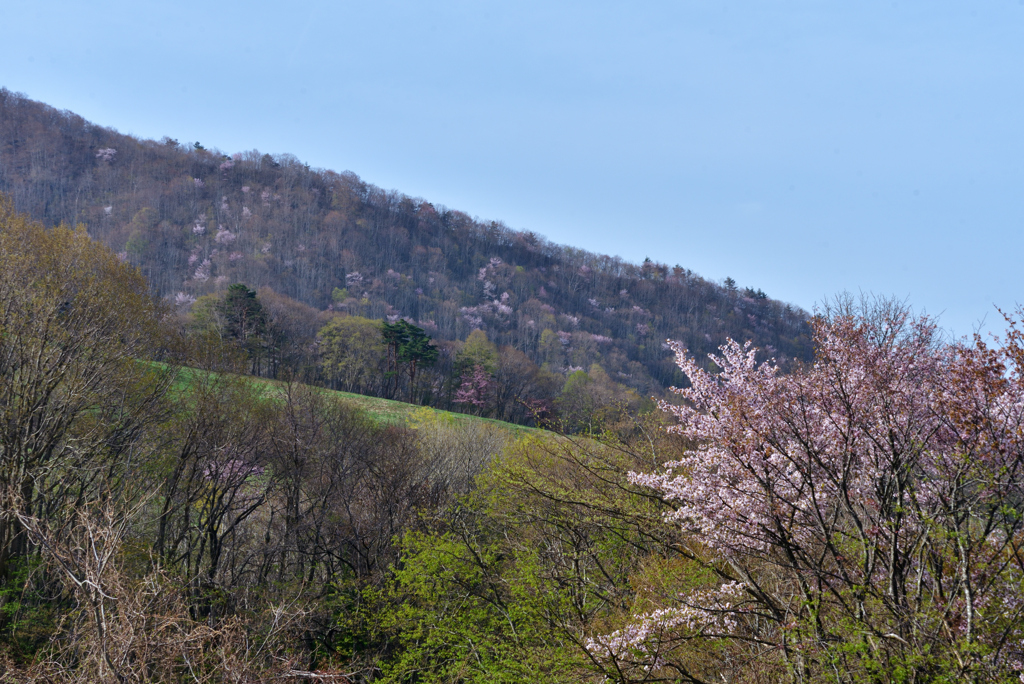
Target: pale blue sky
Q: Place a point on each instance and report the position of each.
(803, 147)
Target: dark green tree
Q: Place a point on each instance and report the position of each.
(409, 349)
(246, 321)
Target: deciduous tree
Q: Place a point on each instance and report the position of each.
(75, 400)
(863, 516)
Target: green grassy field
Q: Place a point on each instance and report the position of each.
(384, 411)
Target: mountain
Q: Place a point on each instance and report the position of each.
(194, 221)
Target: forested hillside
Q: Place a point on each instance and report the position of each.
(195, 221)
(856, 520)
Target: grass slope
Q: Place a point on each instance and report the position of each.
(383, 411)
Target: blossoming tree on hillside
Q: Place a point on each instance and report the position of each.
(862, 517)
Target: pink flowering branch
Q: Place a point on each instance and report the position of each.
(473, 389)
(874, 493)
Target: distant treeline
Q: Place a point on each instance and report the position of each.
(195, 221)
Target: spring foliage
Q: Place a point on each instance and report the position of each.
(864, 515)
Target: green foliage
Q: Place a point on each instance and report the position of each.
(410, 347)
(591, 401)
(469, 613)
(246, 322)
(243, 314)
(28, 618)
(409, 344)
(137, 243)
(505, 586)
(551, 349)
(352, 353)
(477, 351)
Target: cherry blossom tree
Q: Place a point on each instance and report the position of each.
(862, 517)
(474, 388)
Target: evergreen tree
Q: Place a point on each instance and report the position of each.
(246, 321)
(408, 347)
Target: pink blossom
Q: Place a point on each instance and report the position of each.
(106, 154)
(202, 273)
(224, 236)
(473, 389)
(877, 472)
(704, 612)
(184, 300)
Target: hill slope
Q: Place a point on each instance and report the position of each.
(195, 220)
(381, 411)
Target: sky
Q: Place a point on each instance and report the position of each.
(803, 147)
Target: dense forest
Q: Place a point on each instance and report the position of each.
(315, 245)
(190, 493)
(858, 519)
